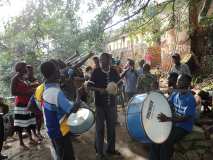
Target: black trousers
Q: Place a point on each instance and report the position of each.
(1, 132)
(105, 114)
(164, 151)
(63, 148)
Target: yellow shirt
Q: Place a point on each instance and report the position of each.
(39, 92)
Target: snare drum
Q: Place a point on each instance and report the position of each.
(141, 118)
(81, 121)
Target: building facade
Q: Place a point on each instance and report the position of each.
(124, 46)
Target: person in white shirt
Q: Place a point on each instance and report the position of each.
(178, 67)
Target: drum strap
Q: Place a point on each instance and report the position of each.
(65, 129)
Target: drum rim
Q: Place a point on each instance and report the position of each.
(149, 141)
(91, 124)
(142, 117)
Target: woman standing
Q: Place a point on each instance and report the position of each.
(23, 118)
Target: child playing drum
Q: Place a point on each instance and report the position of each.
(183, 103)
(56, 106)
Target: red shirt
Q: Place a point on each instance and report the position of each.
(22, 86)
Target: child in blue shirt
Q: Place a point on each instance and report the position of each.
(55, 107)
(183, 104)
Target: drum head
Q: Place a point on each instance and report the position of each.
(154, 104)
(81, 121)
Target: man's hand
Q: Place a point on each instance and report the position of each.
(77, 105)
(100, 90)
(78, 81)
(163, 118)
(35, 84)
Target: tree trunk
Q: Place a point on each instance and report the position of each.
(200, 35)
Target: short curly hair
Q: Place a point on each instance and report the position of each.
(19, 66)
(48, 69)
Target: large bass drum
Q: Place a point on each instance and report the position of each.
(141, 118)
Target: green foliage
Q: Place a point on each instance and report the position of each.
(208, 87)
(47, 29)
(6, 62)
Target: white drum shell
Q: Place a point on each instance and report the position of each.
(154, 104)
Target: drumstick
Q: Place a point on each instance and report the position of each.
(119, 81)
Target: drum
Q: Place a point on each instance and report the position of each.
(141, 118)
(112, 88)
(81, 121)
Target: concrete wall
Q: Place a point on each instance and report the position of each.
(133, 47)
(124, 47)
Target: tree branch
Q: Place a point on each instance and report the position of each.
(173, 14)
(153, 17)
(129, 17)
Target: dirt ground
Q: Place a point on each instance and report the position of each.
(129, 148)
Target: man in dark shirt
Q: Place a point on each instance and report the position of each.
(105, 105)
